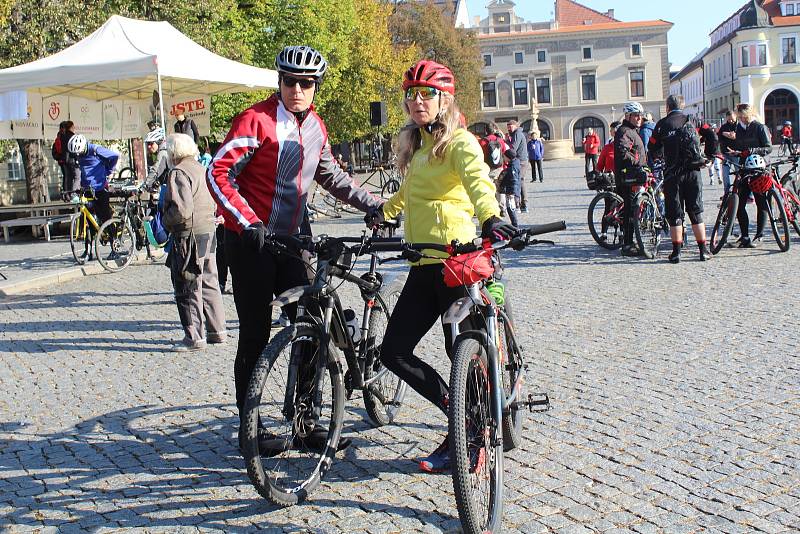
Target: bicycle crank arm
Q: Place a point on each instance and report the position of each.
(537, 402)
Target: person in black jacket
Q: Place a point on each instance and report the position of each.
(188, 127)
(751, 137)
(711, 150)
(683, 183)
(629, 161)
(727, 142)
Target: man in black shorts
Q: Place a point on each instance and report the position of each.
(683, 184)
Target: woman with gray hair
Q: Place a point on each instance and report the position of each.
(189, 217)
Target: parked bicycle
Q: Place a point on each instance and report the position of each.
(120, 237)
(605, 211)
(83, 226)
(486, 378)
(787, 187)
(297, 384)
(761, 182)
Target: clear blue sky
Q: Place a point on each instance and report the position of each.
(692, 19)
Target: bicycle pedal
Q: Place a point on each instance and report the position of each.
(537, 402)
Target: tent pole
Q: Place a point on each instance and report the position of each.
(161, 101)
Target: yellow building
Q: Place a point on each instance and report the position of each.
(753, 59)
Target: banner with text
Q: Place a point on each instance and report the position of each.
(195, 107)
(131, 119)
(55, 109)
(30, 128)
(87, 116)
(112, 119)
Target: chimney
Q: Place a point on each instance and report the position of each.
(610, 13)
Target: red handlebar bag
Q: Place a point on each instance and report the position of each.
(467, 269)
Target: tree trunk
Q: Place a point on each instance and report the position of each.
(36, 170)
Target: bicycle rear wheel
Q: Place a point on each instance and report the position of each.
(115, 245)
(288, 473)
(724, 223)
(477, 465)
(792, 205)
(778, 220)
(648, 226)
(604, 220)
(79, 238)
(384, 397)
(511, 367)
(391, 187)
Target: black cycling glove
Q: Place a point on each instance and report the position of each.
(374, 217)
(496, 229)
(254, 235)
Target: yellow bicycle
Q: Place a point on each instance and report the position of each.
(83, 228)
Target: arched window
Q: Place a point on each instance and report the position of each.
(780, 106)
(544, 128)
(581, 128)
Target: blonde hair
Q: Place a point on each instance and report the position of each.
(180, 146)
(747, 111)
(410, 139)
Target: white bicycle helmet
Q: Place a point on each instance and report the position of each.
(77, 144)
(156, 136)
(633, 107)
(754, 162)
(301, 61)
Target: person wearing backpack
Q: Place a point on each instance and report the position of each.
(683, 182)
(494, 146)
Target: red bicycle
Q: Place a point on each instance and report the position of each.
(761, 182)
(787, 186)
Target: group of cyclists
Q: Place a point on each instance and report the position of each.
(685, 150)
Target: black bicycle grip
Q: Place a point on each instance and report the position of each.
(539, 229)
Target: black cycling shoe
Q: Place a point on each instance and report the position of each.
(675, 256)
(705, 254)
(745, 242)
(631, 251)
(317, 441)
(269, 444)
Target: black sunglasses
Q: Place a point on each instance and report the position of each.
(291, 81)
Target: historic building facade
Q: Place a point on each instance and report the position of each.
(580, 68)
(689, 82)
(753, 58)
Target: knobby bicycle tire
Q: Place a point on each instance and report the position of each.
(117, 235)
(511, 362)
(390, 386)
(614, 230)
(391, 187)
(777, 216)
(470, 425)
(79, 238)
(264, 472)
(648, 227)
(792, 205)
(724, 223)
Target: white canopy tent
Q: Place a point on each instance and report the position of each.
(128, 59)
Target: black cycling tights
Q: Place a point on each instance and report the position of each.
(761, 211)
(424, 298)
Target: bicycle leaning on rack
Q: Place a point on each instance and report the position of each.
(120, 237)
(297, 384)
(486, 377)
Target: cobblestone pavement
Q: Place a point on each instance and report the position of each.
(674, 390)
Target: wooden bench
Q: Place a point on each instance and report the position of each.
(45, 221)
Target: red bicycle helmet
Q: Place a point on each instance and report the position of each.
(427, 73)
(761, 183)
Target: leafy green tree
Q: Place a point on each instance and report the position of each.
(425, 25)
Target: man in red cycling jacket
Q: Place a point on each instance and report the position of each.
(260, 177)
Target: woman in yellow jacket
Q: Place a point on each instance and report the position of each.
(446, 184)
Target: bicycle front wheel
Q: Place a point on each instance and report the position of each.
(724, 223)
(477, 464)
(605, 224)
(649, 227)
(778, 220)
(391, 187)
(115, 245)
(79, 241)
(383, 397)
(286, 410)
